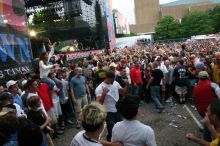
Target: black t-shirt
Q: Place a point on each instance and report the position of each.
(36, 117)
(23, 122)
(120, 80)
(157, 74)
(29, 133)
(100, 76)
(191, 76)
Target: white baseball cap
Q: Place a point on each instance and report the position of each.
(10, 83)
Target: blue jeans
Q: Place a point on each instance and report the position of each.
(192, 82)
(48, 81)
(155, 96)
(111, 120)
(206, 134)
(51, 83)
(44, 141)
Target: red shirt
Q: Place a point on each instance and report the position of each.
(204, 95)
(136, 75)
(45, 95)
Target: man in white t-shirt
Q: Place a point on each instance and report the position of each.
(107, 93)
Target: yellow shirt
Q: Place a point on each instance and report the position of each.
(216, 74)
(215, 142)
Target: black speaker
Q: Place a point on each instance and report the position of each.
(72, 8)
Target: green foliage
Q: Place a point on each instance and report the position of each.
(43, 23)
(167, 28)
(45, 16)
(133, 34)
(215, 16)
(59, 46)
(196, 23)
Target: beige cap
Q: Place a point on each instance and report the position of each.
(113, 65)
(203, 75)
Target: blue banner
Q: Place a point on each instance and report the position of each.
(15, 50)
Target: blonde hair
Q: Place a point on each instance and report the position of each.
(93, 116)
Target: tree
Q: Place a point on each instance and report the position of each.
(167, 28)
(133, 34)
(44, 22)
(215, 16)
(196, 23)
(47, 15)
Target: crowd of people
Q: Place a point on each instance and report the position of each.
(107, 89)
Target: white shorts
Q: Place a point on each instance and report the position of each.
(57, 109)
(181, 90)
(52, 115)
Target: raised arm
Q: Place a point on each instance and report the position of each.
(45, 67)
(100, 95)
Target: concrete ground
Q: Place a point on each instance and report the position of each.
(170, 126)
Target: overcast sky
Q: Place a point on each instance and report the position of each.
(128, 8)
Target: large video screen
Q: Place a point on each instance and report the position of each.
(15, 50)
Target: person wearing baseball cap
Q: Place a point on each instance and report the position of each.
(10, 83)
(203, 75)
(112, 67)
(13, 88)
(205, 93)
(200, 66)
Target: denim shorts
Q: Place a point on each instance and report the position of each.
(192, 82)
